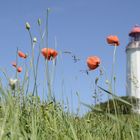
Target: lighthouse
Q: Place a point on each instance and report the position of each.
(133, 66)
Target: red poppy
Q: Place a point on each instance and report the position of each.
(21, 54)
(14, 64)
(93, 62)
(19, 69)
(113, 40)
(49, 53)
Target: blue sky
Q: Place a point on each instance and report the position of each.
(80, 26)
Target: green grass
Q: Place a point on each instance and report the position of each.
(32, 119)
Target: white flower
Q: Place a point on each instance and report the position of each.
(12, 83)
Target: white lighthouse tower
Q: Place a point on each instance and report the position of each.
(133, 66)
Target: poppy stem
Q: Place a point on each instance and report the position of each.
(113, 65)
(16, 63)
(42, 33)
(47, 24)
(46, 61)
(33, 65)
(48, 81)
(113, 78)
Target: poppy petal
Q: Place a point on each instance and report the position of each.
(113, 40)
(93, 62)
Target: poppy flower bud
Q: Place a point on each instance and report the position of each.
(96, 80)
(34, 39)
(49, 9)
(114, 78)
(39, 21)
(27, 26)
(107, 82)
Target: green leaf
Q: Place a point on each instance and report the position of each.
(116, 97)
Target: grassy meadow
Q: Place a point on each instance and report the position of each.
(25, 116)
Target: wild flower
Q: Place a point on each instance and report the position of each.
(19, 69)
(12, 83)
(93, 62)
(14, 64)
(113, 40)
(49, 53)
(21, 54)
